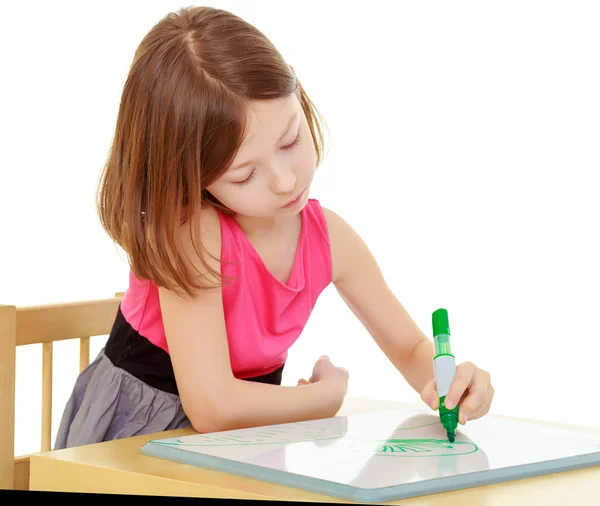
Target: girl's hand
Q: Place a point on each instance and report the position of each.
(324, 370)
(471, 388)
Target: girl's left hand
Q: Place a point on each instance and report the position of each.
(471, 388)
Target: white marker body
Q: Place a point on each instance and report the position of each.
(444, 368)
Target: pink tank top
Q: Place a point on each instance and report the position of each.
(263, 316)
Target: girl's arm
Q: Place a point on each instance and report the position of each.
(213, 399)
(359, 281)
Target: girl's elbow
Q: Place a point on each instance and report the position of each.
(210, 417)
(205, 424)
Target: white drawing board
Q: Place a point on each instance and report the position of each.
(384, 456)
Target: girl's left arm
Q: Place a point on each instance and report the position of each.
(360, 283)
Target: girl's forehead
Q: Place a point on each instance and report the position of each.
(269, 119)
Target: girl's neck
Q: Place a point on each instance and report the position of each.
(261, 228)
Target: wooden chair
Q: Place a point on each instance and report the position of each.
(42, 325)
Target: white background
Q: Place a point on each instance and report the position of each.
(464, 148)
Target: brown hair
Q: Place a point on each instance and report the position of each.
(180, 123)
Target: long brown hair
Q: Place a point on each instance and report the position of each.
(180, 123)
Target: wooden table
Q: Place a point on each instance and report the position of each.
(119, 467)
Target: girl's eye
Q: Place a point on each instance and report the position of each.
(245, 181)
(293, 144)
(285, 148)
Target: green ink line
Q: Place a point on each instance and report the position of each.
(241, 444)
(234, 440)
(425, 447)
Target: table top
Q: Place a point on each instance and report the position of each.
(119, 467)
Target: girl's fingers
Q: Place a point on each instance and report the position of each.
(478, 397)
(429, 395)
(485, 407)
(462, 380)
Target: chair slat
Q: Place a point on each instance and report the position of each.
(57, 322)
(8, 339)
(84, 353)
(46, 396)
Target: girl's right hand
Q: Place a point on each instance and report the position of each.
(325, 371)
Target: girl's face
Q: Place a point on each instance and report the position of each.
(273, 169)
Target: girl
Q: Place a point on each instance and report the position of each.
(207, 191)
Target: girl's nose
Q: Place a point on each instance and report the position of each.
(283, 181)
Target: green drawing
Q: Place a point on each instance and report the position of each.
(409, 448)
(416, 448)
(310, 432)
(248, 443)
(341, 432)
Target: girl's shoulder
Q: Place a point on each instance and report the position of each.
(336, 225)
(348, 250)
(201, 236)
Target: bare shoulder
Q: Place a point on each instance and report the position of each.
(200, 240)
(337, 227)
(207, 225)
(347, 247)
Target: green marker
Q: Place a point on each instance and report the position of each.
(444, 366)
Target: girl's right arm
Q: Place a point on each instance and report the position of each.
(213, 399)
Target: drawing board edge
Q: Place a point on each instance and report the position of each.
(357, 494)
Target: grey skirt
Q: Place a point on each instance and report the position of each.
(108, 403)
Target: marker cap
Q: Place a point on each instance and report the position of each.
(439, 319)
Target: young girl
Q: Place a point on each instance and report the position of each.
(207, 191)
